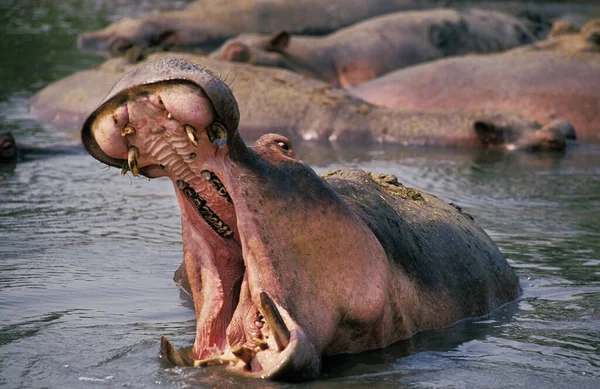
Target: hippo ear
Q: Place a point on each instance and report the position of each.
(488, 133)
(279, 41)
(236, 52)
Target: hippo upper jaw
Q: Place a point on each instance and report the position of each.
(175, 129)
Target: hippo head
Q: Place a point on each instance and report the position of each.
(8, 148)
(512, 131)
(126, 33)
(274, 258)
(262, 50)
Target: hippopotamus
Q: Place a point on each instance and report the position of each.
(557, 77)
(285, 266)
(8, 148)
(277, 100)
(366, 50)
(208, 23)
(11, 153)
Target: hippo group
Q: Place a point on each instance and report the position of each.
(285, 266)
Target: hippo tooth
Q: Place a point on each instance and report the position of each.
(169, 116)
(280, 331)
(128, 131)
(217, 134)
(171, 354)
(191, 135)
(125, 169)
(206, 174)
(132, 160)
(261, 343)
(213, 361)
(244, 353)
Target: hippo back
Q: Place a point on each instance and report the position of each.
(440, 248)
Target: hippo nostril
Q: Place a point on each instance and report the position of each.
(119, 45)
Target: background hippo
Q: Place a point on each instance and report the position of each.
(365, 50)
(558, 77)
(372, 260)
(276, 100)
(209, 22)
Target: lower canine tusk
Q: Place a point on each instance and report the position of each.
(171, 354)
(280, 331)
(132, 160)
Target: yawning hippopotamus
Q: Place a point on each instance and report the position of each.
(285, 266)
(366, 50)
(277, 100)
(555, 78)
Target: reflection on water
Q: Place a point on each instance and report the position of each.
(86, 256)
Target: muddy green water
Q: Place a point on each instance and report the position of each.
(86, 256)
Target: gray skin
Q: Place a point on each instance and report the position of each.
(557, 77)
(277, 100)
(373, 260)
(366, 50)
(210, 22)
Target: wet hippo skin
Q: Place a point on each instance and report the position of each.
(285, 266)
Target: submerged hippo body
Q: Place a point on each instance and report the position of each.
(558, 77)
(365, 50)
(277, 100)
(283, 266)
(209, 22)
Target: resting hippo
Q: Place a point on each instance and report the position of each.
(10, 152)
(379, 45)
(276, 100)
(558, 77)
(285, 266)
(209, 22)
(8, 148)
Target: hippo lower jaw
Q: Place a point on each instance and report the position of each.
(170, 129)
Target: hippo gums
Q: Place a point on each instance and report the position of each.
(365, 50)
(285, 266)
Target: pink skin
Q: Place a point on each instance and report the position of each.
(228, 274)
(376, 46)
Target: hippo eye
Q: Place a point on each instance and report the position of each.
(283, 145)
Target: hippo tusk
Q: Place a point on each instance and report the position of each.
(213, 361)
(217, 134)
(171, 354)
(191, 135)
(244, 353)
(280, 331)
(132, 160)
(128, 131)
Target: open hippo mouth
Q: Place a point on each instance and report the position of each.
(181, 123)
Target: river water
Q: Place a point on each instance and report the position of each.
(86, 256)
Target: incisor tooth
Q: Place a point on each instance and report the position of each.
(128, 131)
(191, 135)
(132, 160)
